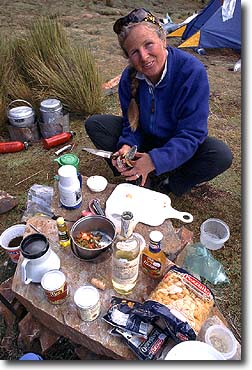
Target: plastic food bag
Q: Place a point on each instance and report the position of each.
(200, 261)
(39, 200)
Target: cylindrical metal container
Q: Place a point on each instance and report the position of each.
(21, 116)
(50, 110)
(87, 300)
(55, 286)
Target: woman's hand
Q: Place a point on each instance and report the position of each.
(142, 166)
(124, 149)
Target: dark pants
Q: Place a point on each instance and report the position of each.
(211, 158)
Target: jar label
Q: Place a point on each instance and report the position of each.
(124, 270)
(57, 296)
(151, 266)
(89, 313)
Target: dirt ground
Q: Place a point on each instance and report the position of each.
(90, 23)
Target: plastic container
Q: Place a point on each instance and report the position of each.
(97, 183)
(193, 350)
(63, 233)
(214, 233)
(69, 187)
(222, 339)
(153, 258)
(9, 235)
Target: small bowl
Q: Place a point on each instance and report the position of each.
(97, 183)
(222, 339)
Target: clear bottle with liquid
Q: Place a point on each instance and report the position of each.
(153, 259)
(63, 233)
(125, 257)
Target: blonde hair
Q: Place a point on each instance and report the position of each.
(133, 109)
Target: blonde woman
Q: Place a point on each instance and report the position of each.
(164, 97)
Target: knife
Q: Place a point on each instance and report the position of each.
(100, 152)
(106, 154)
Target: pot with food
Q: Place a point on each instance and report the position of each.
(91, 236)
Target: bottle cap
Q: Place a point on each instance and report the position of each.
(26, 145)
(156, 236)
(60, 220)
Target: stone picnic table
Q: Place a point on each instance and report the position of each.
(63, 319)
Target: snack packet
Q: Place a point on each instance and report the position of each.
(185, 296)
(128, 315)
(145, 348)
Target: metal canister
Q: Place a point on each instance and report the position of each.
(87, 300)
(21, 115)
(51, 110)
(55, 286)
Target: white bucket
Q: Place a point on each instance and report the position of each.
(7, 236)
(69, 186)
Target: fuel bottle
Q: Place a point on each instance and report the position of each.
(58, 139)
(13, 146)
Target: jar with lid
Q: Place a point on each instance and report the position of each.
(63, 233)
(153, 258)
(125, 257)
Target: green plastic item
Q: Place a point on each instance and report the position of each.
(71, 159)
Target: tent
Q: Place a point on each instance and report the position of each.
(210, 30)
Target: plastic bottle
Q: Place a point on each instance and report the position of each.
(153, 258)
(13, 146)
(63, 233)
(58, 139)
(125, 257)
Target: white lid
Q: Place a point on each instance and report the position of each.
(193, 350)
(21, 112)
(53, 280)
(97, 183)
(67, 170)
(156, 236)
(49, 104)
(86, 296)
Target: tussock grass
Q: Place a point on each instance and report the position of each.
(5, 67)
(44, 64)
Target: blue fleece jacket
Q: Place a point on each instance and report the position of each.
(173, 114)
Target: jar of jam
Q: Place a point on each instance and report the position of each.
(153, 258)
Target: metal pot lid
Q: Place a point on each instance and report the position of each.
(50, 104)
(20, 112)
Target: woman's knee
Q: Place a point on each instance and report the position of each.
(91, 123)
(225, 156)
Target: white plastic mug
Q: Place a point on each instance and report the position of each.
(8, 235)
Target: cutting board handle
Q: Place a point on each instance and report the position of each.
(183, 216)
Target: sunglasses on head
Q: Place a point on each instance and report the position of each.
(136, 16)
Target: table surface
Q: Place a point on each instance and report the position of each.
(63, 319)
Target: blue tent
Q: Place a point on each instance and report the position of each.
(208, 30)
(201, 18)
